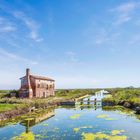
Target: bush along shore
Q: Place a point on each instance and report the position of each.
(128, 98)
(14, 107)
(11, 107)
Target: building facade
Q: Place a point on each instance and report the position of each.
(33, 86)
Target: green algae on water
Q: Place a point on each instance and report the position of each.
(25, 136)
(40, 136)
(76, 129)
(110, 119)
(101, 136)
(106, 117)
(75, 116)
(88, 136)
(103, 116)
(138, 121)
(45, 124)
(82, 127)
(117, 132)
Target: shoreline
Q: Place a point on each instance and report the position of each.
(68, 98)
(8, 115)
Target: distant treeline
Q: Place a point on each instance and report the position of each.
(74, 93)
(4, 91)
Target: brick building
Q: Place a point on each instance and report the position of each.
(36, 86)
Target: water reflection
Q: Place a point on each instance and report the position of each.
(93, 102)
(79, 122)
(30, 122)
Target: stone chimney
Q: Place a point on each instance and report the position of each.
(30, 92)
(27, 72)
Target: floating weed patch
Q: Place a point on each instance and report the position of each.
(106, 117)
(86, 127)
(118, 138)
(55, 129)
(117, 132)
(76, 129)
(101, 136)
(75, 116)
(40, 136)
(45, 124)
(138, 121)
(115, 135)
(25, 136)
(88, 136)
(103, 116)
(110, 119)
(83, 127)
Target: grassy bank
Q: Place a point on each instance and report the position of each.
(119, 95)
(7, 107)
(4, 93)
(74, 93)
(123, 96)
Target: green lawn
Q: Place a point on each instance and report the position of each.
(7, 107)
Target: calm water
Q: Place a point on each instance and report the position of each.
(77, 123)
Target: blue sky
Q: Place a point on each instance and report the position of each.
(79, 43)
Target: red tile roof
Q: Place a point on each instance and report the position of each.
(42, 77)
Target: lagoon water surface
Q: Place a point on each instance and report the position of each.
(77, 123)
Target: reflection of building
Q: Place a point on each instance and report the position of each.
(45, 116)
(32, 121)
(36, 86)
(28, 134)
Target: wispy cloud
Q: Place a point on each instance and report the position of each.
(105, 36)
(16, 57)
(6, 26)
(72, 56)
(124, 12)
(101, 38)
(30, 24)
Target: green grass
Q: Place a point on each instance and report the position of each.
(7, 107)
(4, 91)
(130, 95)
(118, 94)
(75, 93)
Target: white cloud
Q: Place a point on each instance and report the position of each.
(105, 36)
(124, 12)
(72, 56)
(31, 25)
(7, 29)
(12, 56)
(6, 26)
(125, 7)
(101, 38)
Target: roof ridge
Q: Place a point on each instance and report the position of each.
(42, 77)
